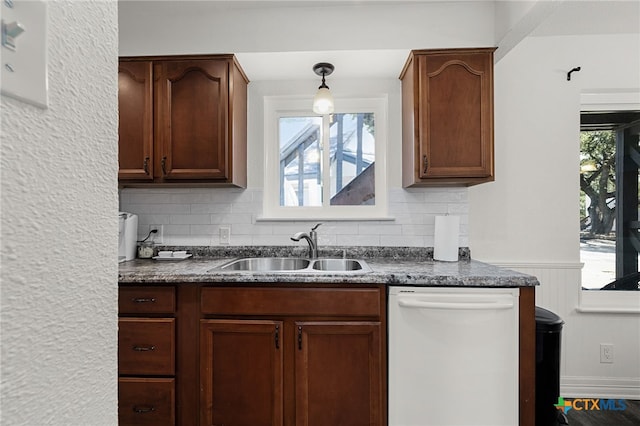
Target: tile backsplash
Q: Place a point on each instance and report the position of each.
(193, 217)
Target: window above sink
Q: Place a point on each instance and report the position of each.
(325, 167)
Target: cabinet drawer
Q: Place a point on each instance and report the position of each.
(146, 402)
(147, 300)
(146, 346)
(349, 302)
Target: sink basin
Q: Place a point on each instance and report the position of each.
(296, 264)
(338, 265)
(267, 264)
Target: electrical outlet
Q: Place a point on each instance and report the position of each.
(606, 353)
(225, 235)
(158, 237)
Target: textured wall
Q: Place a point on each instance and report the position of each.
(59, 238)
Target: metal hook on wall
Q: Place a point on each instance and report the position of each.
(569, 73)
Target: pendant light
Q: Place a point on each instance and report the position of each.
(323, 101)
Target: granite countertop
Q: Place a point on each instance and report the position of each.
(395, 266)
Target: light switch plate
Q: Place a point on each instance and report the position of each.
(24, 70)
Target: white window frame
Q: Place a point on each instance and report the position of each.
(614, 301)
(276, 107)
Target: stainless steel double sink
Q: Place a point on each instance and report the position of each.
(296, 264)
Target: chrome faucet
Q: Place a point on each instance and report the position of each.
(312, 239)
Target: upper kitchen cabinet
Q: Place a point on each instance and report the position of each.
(183, 121)
(447, 117)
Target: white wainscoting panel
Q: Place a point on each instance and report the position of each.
(582, 373)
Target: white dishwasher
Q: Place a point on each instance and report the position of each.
(453, 356)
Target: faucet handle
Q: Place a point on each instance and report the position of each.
(316, 227)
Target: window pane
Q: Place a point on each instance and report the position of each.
(352, 159)
(300, 161)
(597, 205)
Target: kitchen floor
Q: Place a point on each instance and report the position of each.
(629, 416)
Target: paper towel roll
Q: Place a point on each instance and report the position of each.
(445, 244)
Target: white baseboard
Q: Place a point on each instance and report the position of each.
(600, 387)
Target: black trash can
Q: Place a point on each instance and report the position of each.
(548, 332)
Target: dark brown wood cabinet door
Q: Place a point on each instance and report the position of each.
(338, 374)
(241, 373)
(456, 115)
(192, 112)
(135, 130)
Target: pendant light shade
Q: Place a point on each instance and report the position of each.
(323, 101)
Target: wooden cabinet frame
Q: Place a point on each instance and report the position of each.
(447, 117)
(183, 121)
(198, 314)
(315, 325)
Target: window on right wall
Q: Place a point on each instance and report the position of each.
(609, 193)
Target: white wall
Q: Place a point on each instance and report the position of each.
(528, 218)
(161, 27)
(508, 14)
(59, 239)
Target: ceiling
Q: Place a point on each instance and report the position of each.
(569, 17)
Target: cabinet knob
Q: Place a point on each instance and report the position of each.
(145, 165)
(425, 162)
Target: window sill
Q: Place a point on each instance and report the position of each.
(609, 302)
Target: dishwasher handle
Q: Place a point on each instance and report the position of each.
(475, 306)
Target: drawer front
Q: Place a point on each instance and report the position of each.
(147, 300)
(146, 346)
(146, 402)
(349, 302)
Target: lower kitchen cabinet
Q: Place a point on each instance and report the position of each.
(146, 356)
(267, 354)
(241, 372)
(292, 356)
(146, 346)
(337, 371)
(146, 401)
